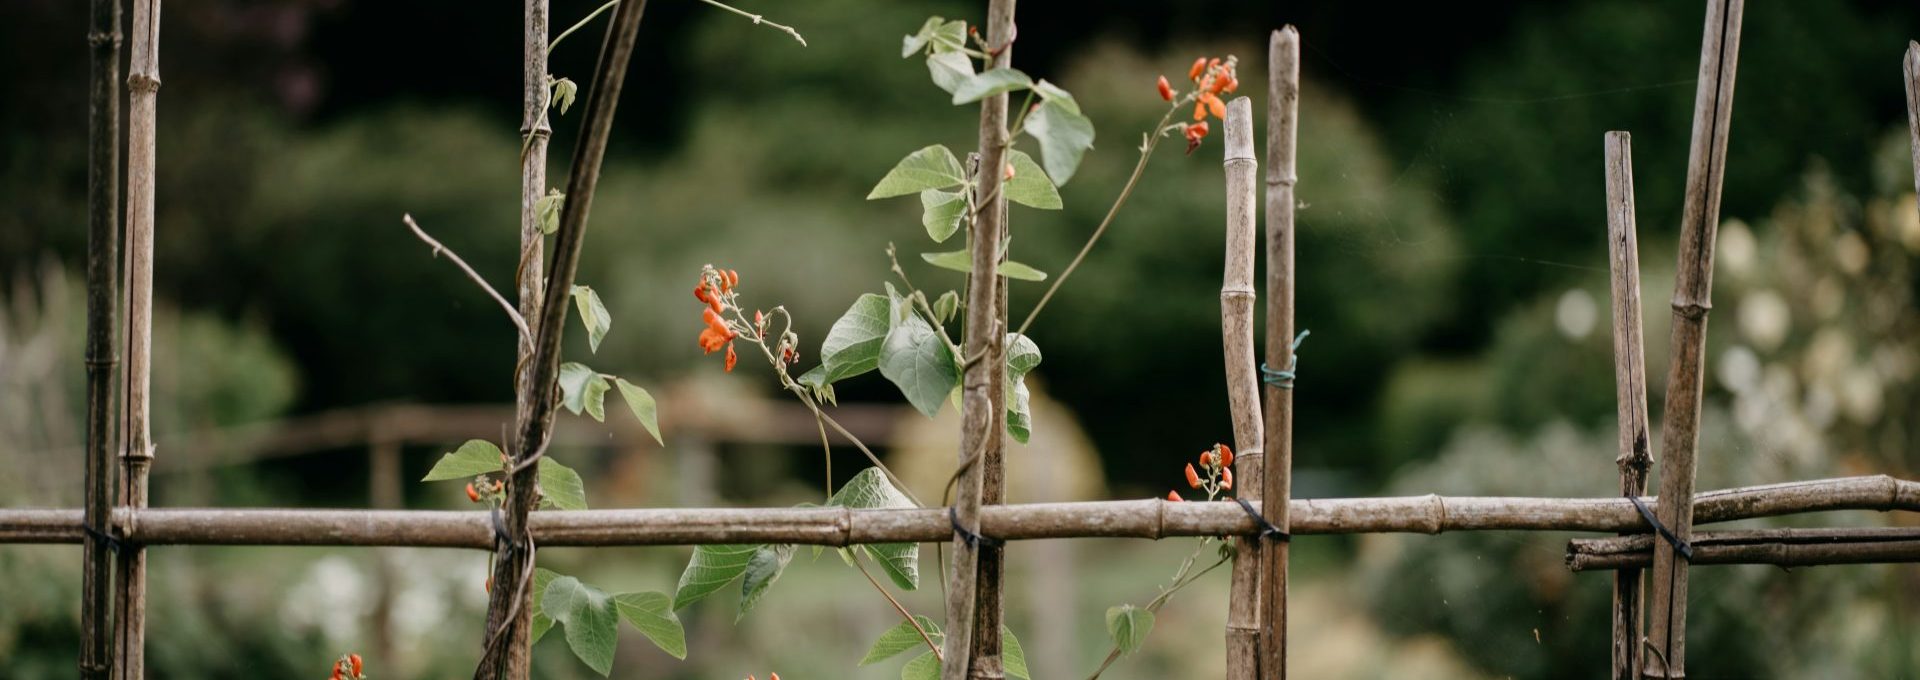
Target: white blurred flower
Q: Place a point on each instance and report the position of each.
(1765, 319)
(1739, 369)
(334, 597)
(1738, 251)
(1576, 314)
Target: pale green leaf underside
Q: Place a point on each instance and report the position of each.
(765, 567)
(1030, 186)
(587, 613)
(990, 82)
(923, 667)
(474, 458)
(962, 261)
(641, 403)
(918, 361)
(950, 70)
(852, 346)
(899, 639)
(582, 389)
(593, 315)
(872, 489)
(1128, 626)
(561, 486)
(1064, 135)
(542, 577)
(712, 568)
(1012, 657)
(941, 212)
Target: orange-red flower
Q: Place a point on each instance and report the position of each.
(1206, 458)
(716, 334)
(731, 358)
(1174, 496)
(1199, 66)
(1226, 455)
(1166, 91)
(472, 494)
(1226, 478)
(1195, 133)
(1193, 478)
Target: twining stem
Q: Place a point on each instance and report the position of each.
(439, 249)
(1139, 168)
(759, 20)
(580, 24)
(1181, 579)
(924, 637)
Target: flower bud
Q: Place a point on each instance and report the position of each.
(1226, 479)
(355, 659)
(1193, 478)
(472, 494)
(1199, 65)
(1226, 455)
(1206, 459)
(1174, 496)
(1166, 91)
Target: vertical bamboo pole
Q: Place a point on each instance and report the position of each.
(1913, 106)
(103, 321)
(1283, 112)
(533, 184)
(1243, 384)
(136, 453)
(970, 598)
(1680, 433)
(1630, 386)
(507, 651)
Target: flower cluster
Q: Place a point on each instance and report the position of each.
(1214, 476)
(1211, 78)
(716, 289)
(348, 667)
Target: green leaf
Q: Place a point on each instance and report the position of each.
(640, 402)
(474, 458)
(872, 489)
(712, 568)
(990, 82)
(961, 261)
(547, 209)
(942, 35)
(582, 389)
(947, 307)
(941, 212)
(589, 617)
(561, 486)
(1050, 92)
(542, 577)
(923, 667)
(1012, 657)
(1016, 270)
(652, 613)
(933, 167)
(1064, 135)
(1022, 356)
(920, 363)
(1128, 626)
(763, 568)
(1030, 186)
(593, 315)
(901, 638)
(852, 346)
(563, 93)
(950, 70)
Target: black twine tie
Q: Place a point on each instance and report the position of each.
(1680, 546)
(972, 539)
(1267, 529)
(113, 544)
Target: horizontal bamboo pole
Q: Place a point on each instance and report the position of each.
(845, 526)
(1780, 547)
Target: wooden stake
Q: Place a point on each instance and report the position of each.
(509, 609)
(973, 591)
(136, 453)
(1283, 112)
(1778, 547)
(1630, 386)
(1913, 106)
(1243, 382)
(1680, 433)
(103, 326)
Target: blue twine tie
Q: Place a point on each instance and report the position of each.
(1284, 379)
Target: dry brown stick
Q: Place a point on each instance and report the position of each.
(1151, 519)
(1630, 387)
(1912, 69)
(969, 598)
(1283, 112)
(1779, 547)
(509, 612)
(103, 325)
(136, 452)
(1680, 433)
(438, 249)
(1243, 381)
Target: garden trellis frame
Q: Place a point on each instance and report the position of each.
(112, 624)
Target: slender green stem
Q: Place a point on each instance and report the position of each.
(580, 24)
(924, 636)
(1180, 580)
(757, 19)
(1139, 168)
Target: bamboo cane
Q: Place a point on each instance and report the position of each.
(1912, 69)
(1150, 519)
(1283, 111)
(970, 600)
(1630, 384)
(508, 649)
(1778, 547)
(1680, 434)
(1243, 384)
(103, 322)
(136, 453)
